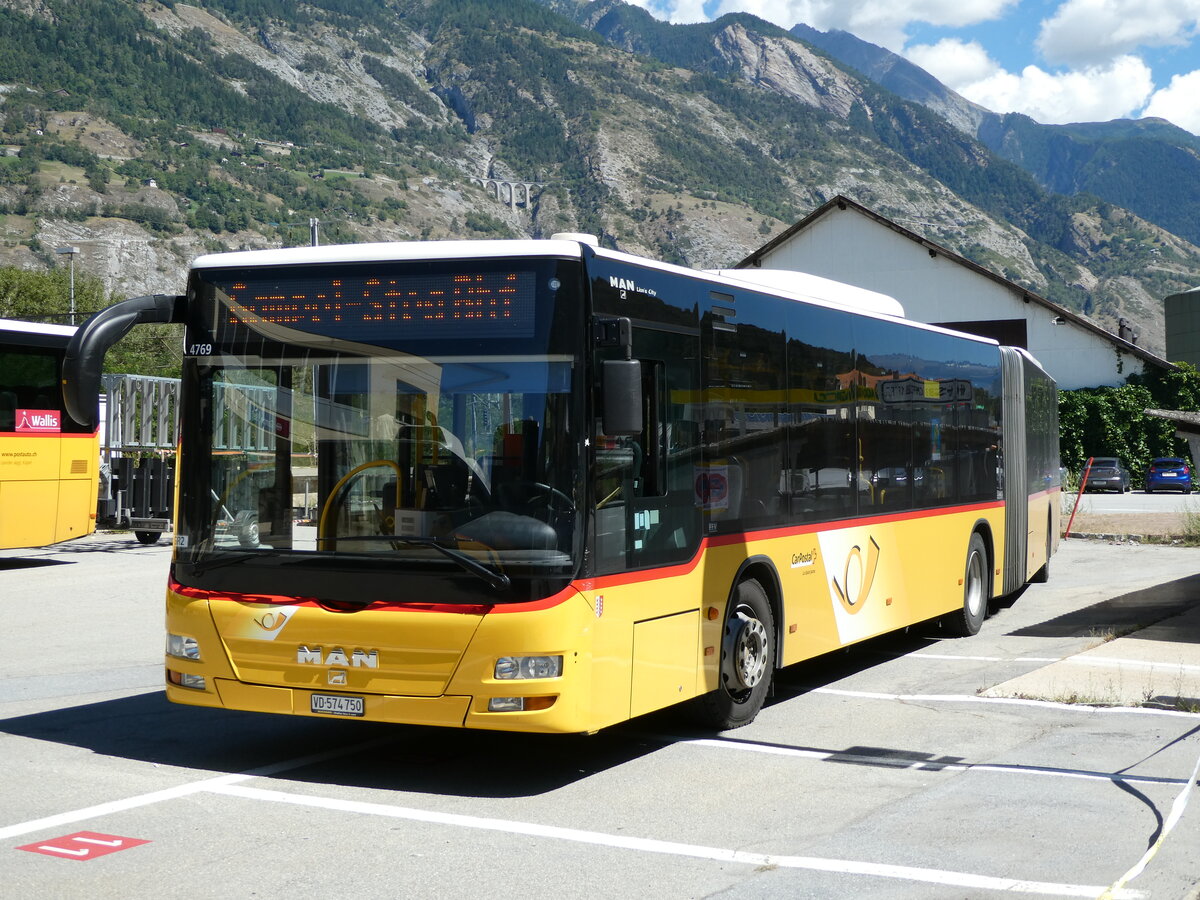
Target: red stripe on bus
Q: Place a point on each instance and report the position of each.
(474, 609)
(752, 537)
(68, 435)
(599, 582)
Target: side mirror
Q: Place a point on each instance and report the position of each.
(622, 386)
(84, 359)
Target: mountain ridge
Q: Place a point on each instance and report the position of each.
(378, 119)
(1069, 159)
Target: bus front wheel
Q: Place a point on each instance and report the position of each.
(747, 660)
(976, 591)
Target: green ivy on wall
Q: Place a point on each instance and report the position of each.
(1111, 421)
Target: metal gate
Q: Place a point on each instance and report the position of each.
(140, 436)
(137, 454)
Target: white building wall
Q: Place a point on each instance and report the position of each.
(849, 247)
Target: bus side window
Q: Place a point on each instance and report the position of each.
(653, 439)
(629, 466)
(8, 411)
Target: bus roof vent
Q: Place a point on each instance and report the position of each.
(817, 288)
(590, 239)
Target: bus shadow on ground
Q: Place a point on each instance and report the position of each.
(52, 554)
(1128, 613)
(802, 677)
(116, 543)
(427, 760)
(13, 564)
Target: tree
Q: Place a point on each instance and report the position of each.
(46, 297)
(1111, 421)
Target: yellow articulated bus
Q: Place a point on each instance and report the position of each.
(544, 486)
(49, 464)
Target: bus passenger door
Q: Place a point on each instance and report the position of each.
(645, 513)
(627, 483)
(645, 518)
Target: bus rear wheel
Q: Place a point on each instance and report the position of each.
(747, 660)
(976, 591)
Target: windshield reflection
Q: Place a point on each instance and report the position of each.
(393, 457)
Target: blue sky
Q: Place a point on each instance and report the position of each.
(1057, 61)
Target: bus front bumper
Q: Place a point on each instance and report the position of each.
(450, 711)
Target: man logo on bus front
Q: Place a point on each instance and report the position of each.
(857, 577)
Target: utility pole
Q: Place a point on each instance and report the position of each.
(314, 230)
(71, 253)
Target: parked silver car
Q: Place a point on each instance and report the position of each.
(1107, 474)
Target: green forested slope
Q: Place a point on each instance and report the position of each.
(150, 132)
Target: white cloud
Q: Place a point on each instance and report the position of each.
(1092, 32)
(953, 62)
(882, 22)
(678, 12)
(1092, 94)
(1055, 98)
(1094, 39)
(1177, 102)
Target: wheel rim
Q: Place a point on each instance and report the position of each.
(974, 599)
(745, 659)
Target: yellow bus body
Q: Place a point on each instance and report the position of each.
(48, 487)
(631, 643)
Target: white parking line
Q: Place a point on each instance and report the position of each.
(1002, 659)
(696, 851)
(1177, 808)
(183, 790)
(1009, 701)
(230, 785)
(106, 809)
(1082, 659)
(1114, 662)
(930, 765)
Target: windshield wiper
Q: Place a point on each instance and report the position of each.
(209, 561)
(497, 580)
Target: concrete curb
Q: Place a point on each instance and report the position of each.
(1155, 667)
(1172, 539)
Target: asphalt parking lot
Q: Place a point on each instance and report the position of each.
(903, 768)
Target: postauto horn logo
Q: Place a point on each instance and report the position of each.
(857, 577)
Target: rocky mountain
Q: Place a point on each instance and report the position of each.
(147, 132)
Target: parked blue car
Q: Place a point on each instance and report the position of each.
(1168, 473)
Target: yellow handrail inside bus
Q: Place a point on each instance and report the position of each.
(610, 497)
(333, 495)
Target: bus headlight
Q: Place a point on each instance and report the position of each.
(187, 680)
(182, 647)
(513, 667)
(520, 704)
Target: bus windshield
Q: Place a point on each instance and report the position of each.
(333, 432)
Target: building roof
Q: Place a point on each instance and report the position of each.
(841, 203)
(1193, 293)
(1187, 422)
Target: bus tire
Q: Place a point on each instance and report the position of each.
(976, 591)
(246, 526)
(147, 537)
(747, 660)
